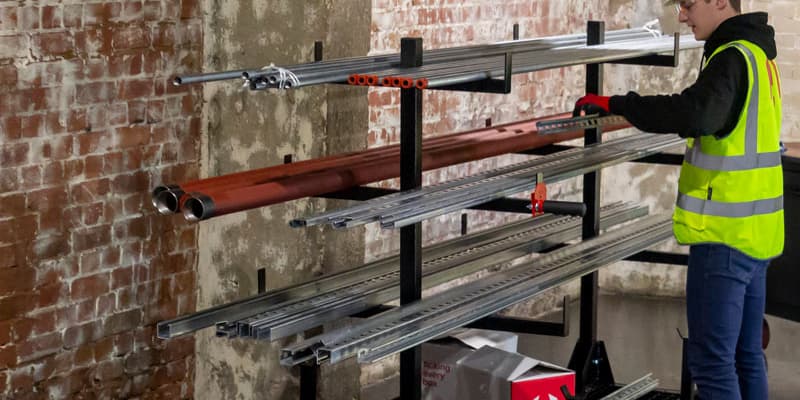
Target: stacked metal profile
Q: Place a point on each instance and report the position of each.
(450, 66)
(314, 303)
(406, 208)
(413, 324)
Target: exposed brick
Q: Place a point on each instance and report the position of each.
(103, 348)
(44, 323)
(108, 370)
(121, 277)
(8, 256)
(8, 22)
(93, 142)
(101, 13)
(130, 37)
(16, 305)
(8, 78)
(38, 347)
(73, 15)
(58, 148)
(133, 136)
(84, 355)
(135, 89)
(10, 128)
(12, 205)
(190, 9)
(51, 246)
(95, 92)
(90, 191)
(85, 239)
(16, 280)
(50, 295)
(8, 357)
(106, 304)
(3, 383)
(19, 229)
(47, 199)
(51, 17)
(31, 176)
(33, 126)
(54, 44)
(53, 173)
(12, 155)
(89, 287)
(78, 335)
(122, 322)
(29, 18)
(5, 332)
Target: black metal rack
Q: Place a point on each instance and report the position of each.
(589, 358)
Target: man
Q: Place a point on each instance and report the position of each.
(730, 201)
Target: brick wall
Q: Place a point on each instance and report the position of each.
(88, 125)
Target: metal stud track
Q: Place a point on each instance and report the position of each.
(411, 325)
(284, 320)
(634, 390)
(403, 209)
(225, 315)
(570, 124)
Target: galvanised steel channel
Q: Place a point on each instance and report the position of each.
(635, 389)
(405, 327)
(254, 305)
(402, 209)
(284, 321)
(385, 206)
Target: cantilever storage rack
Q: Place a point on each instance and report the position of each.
(589, 359)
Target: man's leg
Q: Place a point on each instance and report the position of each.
(714, 300)
(749, 355)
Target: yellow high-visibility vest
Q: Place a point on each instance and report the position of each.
(731, 188)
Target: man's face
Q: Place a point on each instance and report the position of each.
(700, 16)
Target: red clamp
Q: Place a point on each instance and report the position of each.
(538, 196)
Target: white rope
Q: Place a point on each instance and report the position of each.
(284, 76)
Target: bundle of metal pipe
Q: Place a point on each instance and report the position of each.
(208, 198)
(339, 70)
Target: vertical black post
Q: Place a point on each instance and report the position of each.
(591, 194)
(318, 51)
(516, 32)
(262, 280)
(410, 236)
(687, 389)
(589, 358)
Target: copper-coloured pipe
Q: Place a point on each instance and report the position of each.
(421, 83)
(406, 83)
(352, 79)
(386, 81)
(395, 81)
(321, 182)
(362, 80)
(372, 80)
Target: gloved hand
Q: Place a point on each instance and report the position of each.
(592, 104)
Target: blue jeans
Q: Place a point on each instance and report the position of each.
(725, 296)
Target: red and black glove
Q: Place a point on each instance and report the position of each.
(592, 104)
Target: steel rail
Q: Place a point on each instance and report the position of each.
(345, 342)
(362, 214)
(411, 325)
(635, 389)
(282, 322)
(400, 209)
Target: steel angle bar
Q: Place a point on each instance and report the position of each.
(413, 213)
(634, 390)
(435, 272)
(405, 324)
(518, 286)
(584, 122)
(372, 210)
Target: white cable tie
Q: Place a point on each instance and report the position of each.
(284, 76)
(653, 27)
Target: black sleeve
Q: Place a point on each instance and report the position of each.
(711, 106)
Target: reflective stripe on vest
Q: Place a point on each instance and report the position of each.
(750, 160)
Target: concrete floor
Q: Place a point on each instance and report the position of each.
(641, 337)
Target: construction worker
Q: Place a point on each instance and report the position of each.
(730, 201)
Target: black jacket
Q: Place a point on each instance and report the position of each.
(713, 104)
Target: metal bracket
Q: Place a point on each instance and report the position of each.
(499, 86)
(657, 60)
(552, 126)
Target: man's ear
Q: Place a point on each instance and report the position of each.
(721, 4)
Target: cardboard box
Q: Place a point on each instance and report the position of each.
(481, 365)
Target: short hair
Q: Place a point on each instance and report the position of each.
(736, 4)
